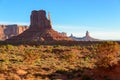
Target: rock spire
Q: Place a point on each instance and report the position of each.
(87, 37)
(49, 18)
(87, 34)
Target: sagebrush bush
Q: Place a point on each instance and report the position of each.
(106, 54)
(13, 76)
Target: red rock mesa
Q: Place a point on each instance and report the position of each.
(40, 29)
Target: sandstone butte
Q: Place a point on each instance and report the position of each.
(40, 29)
(8, 31)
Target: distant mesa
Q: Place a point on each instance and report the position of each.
(8, 31)
(87, 37)
(40, 29)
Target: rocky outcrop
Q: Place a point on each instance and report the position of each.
(40, 29)
(87, 37)
(8, 31)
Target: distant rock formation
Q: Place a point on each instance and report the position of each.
(40, 29)
(63, 33)
(8, 31)
(87, 37)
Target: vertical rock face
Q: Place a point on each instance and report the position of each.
(40, 29)
(11, 30)
(87, 34)
(39, 20)
(2, 34)
(21, 29)
(8, 31)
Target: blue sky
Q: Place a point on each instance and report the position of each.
(100, 17)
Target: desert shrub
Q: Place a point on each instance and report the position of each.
(59, 51)
(15, 58)
(69, 56)
(106, 54)
(57, 46)
(3, 67)
(3, 57)
(31, 57)
(13, 76)
(2, 77)
(29, 76)
(9, 47)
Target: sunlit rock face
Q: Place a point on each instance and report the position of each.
(40, 29)
(8, 31)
